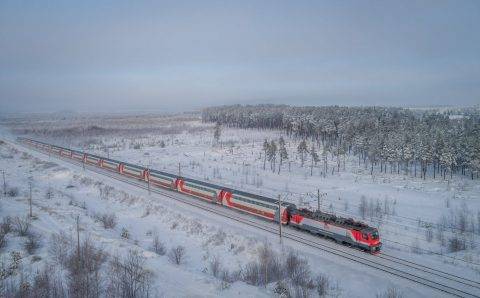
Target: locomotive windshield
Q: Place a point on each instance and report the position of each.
(375, 235)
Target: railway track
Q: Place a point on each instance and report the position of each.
(417, 273)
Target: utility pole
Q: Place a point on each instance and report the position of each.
(280, 217)
(78, 237)
(318, 199)
(30, 199)
(4, 184)
(148, 180)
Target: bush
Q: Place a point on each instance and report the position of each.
(282, 289)
(177, 255)
(251, 274)
(3, 239)
(157, 246)
(129, 277)
(297, 269)
(6, 225)
(215, 266)
(322, 283)
(108, 220)
(390, 293)
(21, 226)
(456, 244)
(60, 246)
(32, 243)
(125, 233)
(12, 192)
(84, 269)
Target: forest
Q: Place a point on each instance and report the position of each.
(420, 142)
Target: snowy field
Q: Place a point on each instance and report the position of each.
(434, 222)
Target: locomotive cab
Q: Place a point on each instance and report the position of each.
(373, 240)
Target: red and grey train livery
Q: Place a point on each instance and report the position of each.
(342, 230)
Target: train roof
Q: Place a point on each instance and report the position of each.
(163, 173)
(332, 218)
(199, 182)
(238, 192)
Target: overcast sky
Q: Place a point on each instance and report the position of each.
(179, 55)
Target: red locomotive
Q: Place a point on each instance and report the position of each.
(342, 230)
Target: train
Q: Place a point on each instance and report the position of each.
(339, 229)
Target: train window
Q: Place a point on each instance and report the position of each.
(365, 235)
(375, 235)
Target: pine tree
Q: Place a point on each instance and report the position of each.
(266, 148)
(315, 159)
(217, 132)
(282, 153)
(272, 154)
(302, 150)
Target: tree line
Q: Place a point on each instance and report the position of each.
(392, 139)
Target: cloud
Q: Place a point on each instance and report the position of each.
(124, 55)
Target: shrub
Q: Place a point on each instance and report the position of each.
(84, 276)
(12, 192)
(32, 243)
(215, 266)
(108, 220)
(125, 234)
(456, 244)
(157, 246)
(390, 293)
(21, 226)
(128, 277)
(3, 239)
(6, 225)
(60, 246)
(297, 269)
(322, 283)
(282, 289)
(176, 255)
(251, 274)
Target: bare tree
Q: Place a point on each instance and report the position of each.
(177, 255)
(32, 243)
(108, 220)
(215, 266)
(391, 292)
(21, 225)
(128, 277)
(157, 246)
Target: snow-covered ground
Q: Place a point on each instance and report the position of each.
(406, 209)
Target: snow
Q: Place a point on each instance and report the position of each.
(205, 235)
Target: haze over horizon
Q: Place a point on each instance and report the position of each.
(123, 56)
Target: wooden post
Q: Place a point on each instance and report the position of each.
(4, 184)
(30, 198)
(78, 237)
(280, 217)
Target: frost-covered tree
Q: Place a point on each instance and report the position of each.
(266, 148)
(302, 151)
(272, 154)
(314, 158)
(282, 152)
(217, 132)
(380, 137)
